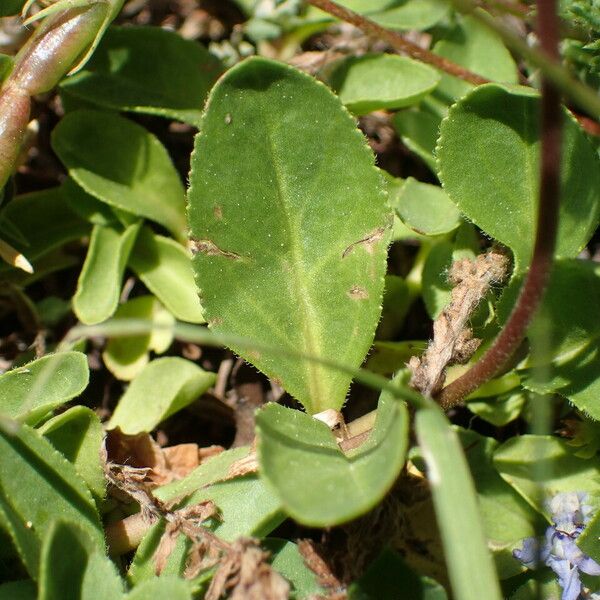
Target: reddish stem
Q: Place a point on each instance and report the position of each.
(398, 42)
(532, 291)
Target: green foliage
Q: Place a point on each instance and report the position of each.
(319, 485)
(499, 126)
(275, 213)
(163, 387)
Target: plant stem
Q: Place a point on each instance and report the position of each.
(537, 277)
(398, 42)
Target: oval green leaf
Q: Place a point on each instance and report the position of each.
(99, 283)
(122, 164)
(165, 386)
(290, 233)
(318, 484)
(30, 392)
(488, 157)
(165, 268)
(381, 81)
(133, 69)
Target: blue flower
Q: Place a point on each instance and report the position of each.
(558, 549)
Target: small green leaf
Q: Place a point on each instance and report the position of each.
(290, 233)
(133, 69)
(86, 206)
(29, 392)
(77, 434)
(413, 14)
(387, 358)
(476, 47)
(99, 284)
(165, 386)
(418, 129)
(165, 268)
(471, 570)
(488, 155)
(39, 485)
(381, 81)
(72, 568)
(125, 357)
(541, 466)
(589, 540)
(126, 166)
(44, 220)
(426, 208)
(499, 410)
(318, 484)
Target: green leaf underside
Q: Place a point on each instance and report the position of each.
(381, 81)
(29, 392)
(318, 484)
(126, 166)
(426, 208)
(38, 485)
(291, 233)
(133, 69)
(541, 466)
(479, 49)
(488, 158)
(568, 340)
(165, 268)
(165, 386)
(72, 568)
(77, 434)
(471, 570)
(99, 284)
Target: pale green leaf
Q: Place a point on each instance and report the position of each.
(147, 70)
(418, 130)
(413, 14)
(29, 392)
(165, 386)
(172, 588)
(488, 157)
(77, 434)
(99, 283)
(318, 484)
(381, 81)
(125, 357)
(165, 268)
(125, 166)
(290, 233)
(426, 208)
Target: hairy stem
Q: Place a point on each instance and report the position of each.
(397, 41)
(532, 291)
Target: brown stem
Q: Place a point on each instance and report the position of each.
(547, 225)
(398, 42)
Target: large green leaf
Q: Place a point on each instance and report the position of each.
(165, 267)
(147, 70)
(479, 49)
(29, 392)
(37, 486)
(290, 233)
(122, 164)
(165, 386)
(72, 567)
(471, 569)
(488, 157)
(99, 283)
(566, 337)
(318, 484)
(412, 14)
(381, 81)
